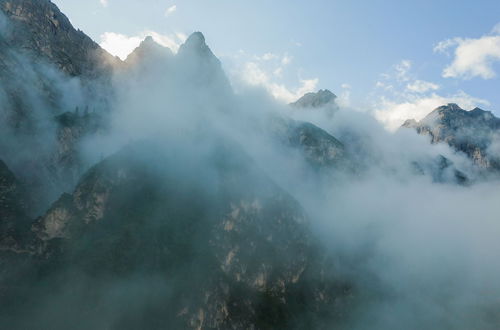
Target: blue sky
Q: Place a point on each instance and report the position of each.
(382, 56)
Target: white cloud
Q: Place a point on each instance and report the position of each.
(472, 57)
(287, 59)
(266, 57)
(170, 10)
(401, 96)
(393, 114)
(254, 75)
(421, 86)
(402, 70)
(119, 44)
(104, 3)
(273, 72)
(278, 72)
(496, 29)
(122, 45)
(344, 99)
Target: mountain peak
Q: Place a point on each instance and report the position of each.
(196, 38)
(148, 40)
(319, 99)
(196, 45)
(40, 29)
(149, 49)
(466, 131)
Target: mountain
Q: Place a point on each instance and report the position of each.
(317, 147)
(321, 99)
(38, 27)
(47, 69)
(148, 54)
(226, 248)
(185, 231)
(147, 194)
(13, 204)
(474, 132)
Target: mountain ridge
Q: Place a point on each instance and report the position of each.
(471, 132)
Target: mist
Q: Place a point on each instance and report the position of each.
(409, 228)
(421, 252)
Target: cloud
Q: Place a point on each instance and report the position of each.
(104, 3)
(403, 96)
(402, 70)
(472, 57)
(496, 29)
(273, 72)
(287, 59)
(254, 75)
(344, 99)
(122, 45)
(170, 10)
(267, 57)
(421, 86)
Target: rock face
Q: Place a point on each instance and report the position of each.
(322, 99)
(13, 204)
(316, 146)
(72, 127)
(441, 170)
(222, 246)
(199, 65)
(475, 132)
(47, 68)
(38, 27)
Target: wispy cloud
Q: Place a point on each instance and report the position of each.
(402, 96)
(255, 75)
(273, 72)
(422, 86)
(170, 10)
(104, 3)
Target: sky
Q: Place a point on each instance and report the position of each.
(397, 59)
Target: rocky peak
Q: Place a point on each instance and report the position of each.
(149, 50)
(199, 66)
(471, 132)
(195, 42)
(316, 100)
(452, 116)
(39, 29)
(195, 45)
